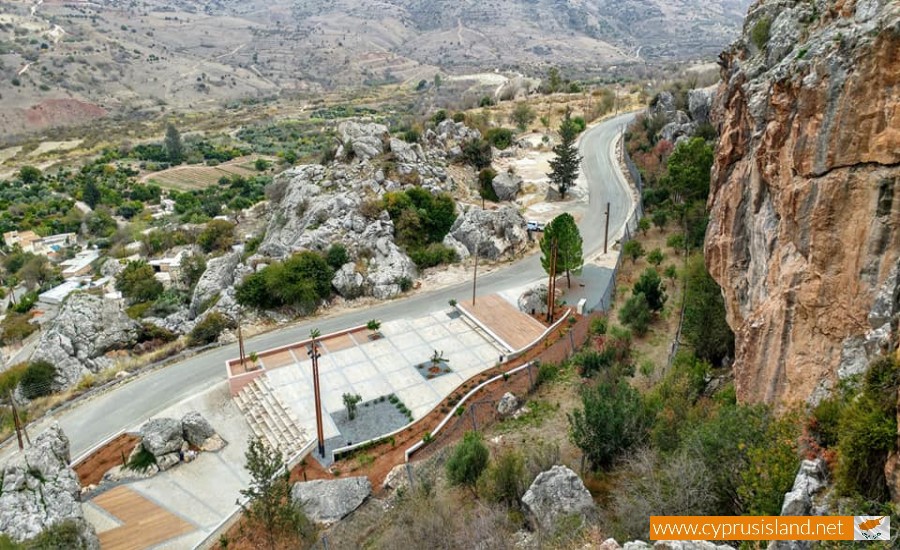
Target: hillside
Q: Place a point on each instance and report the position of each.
(68, 63)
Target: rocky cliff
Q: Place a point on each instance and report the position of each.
(804, 235)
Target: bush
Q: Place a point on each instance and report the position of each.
(504, 480)
(477, 153)
(651, 286)
(759, 34)
(655, 257)
(547, 372)
(636, 314)
(485, 184)
(141, 460)
(10, 378)
(633, 249)
(467, 461)
(337, 256)
(599, 325)
(300, 281)
(432, 255)
(500, 138)
(138, 282)
(218, 235)
(660, 219)
(610, 420)
(705, 327)
(676, 242)
(209, 329)
(38, 379)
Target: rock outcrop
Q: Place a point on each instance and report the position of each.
(508, 404)
(557, 493)
(328, 501)
(681, 119)
(805, 198)
(495, 234)
(161, 436)
(507, 186)
(219, 277)
(810, 480)
(86, 328)
(168, 439)
(40, 490)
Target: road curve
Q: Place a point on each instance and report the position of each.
(90, 422)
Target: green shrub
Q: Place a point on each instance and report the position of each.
(504, 480)
(660, 219)
(300, 281)
(337, 256)
(432, 255)
(10, 378)
(218, 235)
(651, 286)
(676, 242)
(633, 249)
(610, 420)
(138, 283)
(599, 325)
(477, 153)
(547, 372)
(759, 34)
(64, 534)
(38, 379)
(209, 329)
(486, 184)
(136, 311)
(705, 327)
(500, 138)
(467, 461)
(636, 314)
(655, 257)
(141, 460)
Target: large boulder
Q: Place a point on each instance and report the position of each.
(507, 186)
(196, 430)
(38, 489)
(328, 501)
(534, 300)
(365, 139)
(508, 404)
(700, 103)
(86, 328)
(218, 277)
(495, 234)
(557, 493)
(162, 436)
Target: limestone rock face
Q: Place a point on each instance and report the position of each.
(39, 489)
(805, 198)
(811, 478)
(328, 501)
(85, 329)
(218, 278)
(366, 140)
(495, 234)
(556, 493)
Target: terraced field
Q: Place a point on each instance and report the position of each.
(186, 178)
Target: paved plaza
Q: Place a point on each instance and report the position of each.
(373, 368)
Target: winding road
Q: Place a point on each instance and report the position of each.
(90, 422)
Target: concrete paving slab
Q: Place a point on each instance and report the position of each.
(358, 372)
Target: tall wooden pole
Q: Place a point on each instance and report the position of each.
(475, 278)
(241, 344)
(320, 432)
(606, 234)
(16, 422)
(551, 287)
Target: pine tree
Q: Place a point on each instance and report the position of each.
(569, 254)
(174, 147)
(90, 194)
(565, 165)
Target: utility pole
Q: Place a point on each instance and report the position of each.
(16, 421)
(475, 278)
(551, 287)
(606, 234)
(240, 336)
(313, 352)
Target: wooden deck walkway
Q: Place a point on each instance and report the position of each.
(145, 523)
(514, 328)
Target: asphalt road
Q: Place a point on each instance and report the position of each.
(92, 421)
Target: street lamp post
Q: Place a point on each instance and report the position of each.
(314, 354)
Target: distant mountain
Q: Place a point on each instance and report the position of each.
(126, 55)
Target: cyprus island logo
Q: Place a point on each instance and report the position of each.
(871, 528)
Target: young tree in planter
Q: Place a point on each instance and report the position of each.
(564, 168)
(374, 326)
(350, 402)
(569, 254)
(269, 502)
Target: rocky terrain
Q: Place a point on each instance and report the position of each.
(40, 490)
(77, 340)
(67, 63)
(805, 206)
(681, 124)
